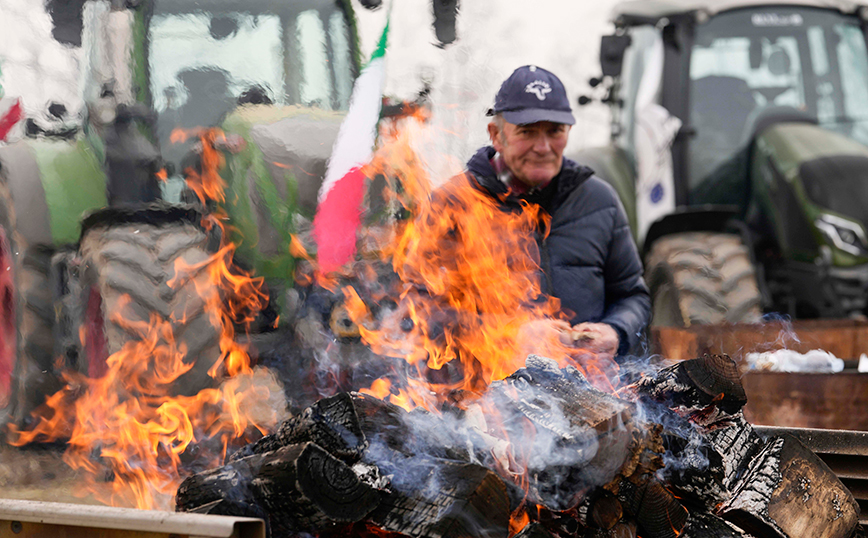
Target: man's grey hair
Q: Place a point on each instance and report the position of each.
(499, 121)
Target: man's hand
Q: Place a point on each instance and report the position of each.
(601, 341)
(599, 338)
(595, 345)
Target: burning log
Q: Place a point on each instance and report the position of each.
(305, 488)
(624, 529)
(705, 525)
(656, 510)
(582, 435)
(606, 510)
(534, 530)
(709, 444)
(735, 443)
(789, 492)
(588, 466)
(300, 488)
(331, 423)
(225, 490)
(453, 500)
(689, 387)
(559, 523)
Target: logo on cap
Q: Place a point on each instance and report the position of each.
(539, 88)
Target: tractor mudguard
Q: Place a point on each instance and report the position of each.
(274, 179)
(706, 218)
(613, 164)
(20, 173)
(52, 184)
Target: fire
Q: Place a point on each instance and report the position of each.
(207, 183)
(470, 299)
(128, 429)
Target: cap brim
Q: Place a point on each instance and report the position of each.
(534, 115)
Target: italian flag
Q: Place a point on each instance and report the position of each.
(11, 112)
(339, 207)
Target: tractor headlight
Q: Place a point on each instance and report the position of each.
(845, 234)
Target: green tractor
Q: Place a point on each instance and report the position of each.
(89, 236)
(740, 152)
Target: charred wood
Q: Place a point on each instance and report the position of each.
(558, 523)
(693, 386)
(705, 525)
(789, 492)
(606, 510)
(582, 435)
(304, 488)
(223, 491)
(452, 500)
(295, 488)
(736, 443)
(331, 423)
(535, 530)
(657, 511)
(623, 529)
(382, 421)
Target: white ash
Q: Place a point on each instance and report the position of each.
(839, 510)
(370, 475)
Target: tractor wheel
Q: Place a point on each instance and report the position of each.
(27, 373)
(35, 376)
(138, 275)
(9, 306)
(701, 278)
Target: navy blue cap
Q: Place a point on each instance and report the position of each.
(532, 94)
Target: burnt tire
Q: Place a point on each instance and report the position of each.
(702, 278)
(131, 281)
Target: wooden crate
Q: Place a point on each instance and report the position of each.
(844, 338)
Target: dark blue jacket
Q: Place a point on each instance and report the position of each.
(589, 258)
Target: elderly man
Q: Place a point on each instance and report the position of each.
(589, 258)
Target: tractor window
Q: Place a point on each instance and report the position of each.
(316, 85)
(213, 70)
(340, 36)
(207, 57)
(750, 66)
(733, 79)
(853, 58)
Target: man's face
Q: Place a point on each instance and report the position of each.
(534, 152)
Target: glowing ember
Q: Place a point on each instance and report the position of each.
(128, 427)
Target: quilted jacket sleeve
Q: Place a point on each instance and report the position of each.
(628, 302)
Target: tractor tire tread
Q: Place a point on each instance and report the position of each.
(710, 277)
(140, 261)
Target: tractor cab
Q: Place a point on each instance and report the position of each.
(747, 117)
(259, 52)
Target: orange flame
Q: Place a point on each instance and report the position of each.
(129, 425)
(468, 299)
(471, 294)
(206, 183)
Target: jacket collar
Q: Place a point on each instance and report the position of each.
(571, 175)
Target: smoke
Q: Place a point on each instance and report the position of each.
(528, 427)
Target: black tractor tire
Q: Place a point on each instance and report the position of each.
(129, 282)
(26, 321)
(36, 375)
(701, 278)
